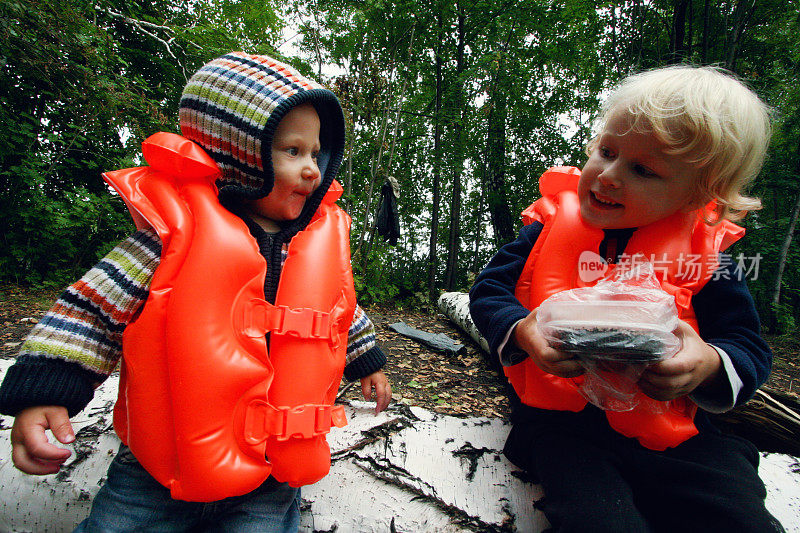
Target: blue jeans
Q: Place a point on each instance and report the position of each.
(132, 500)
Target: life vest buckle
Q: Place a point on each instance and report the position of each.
(260, 317)
(304, 323)
(303, 421)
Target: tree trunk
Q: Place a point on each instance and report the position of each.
(369, 225)
(374, 224)
(348, 174)
(787, 241)
(454, 240)
(356, 67)
(479, 220)
(678, 48)
(706, 23)
(741, 16)
(638, 23)
(614, 50)
(400, 103)
(455, 306)
(375, 168)
(689, 29)
(437, 162)
(497, 195)
(783, 256)
(406, 469)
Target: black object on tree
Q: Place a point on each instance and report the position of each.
(388, 224)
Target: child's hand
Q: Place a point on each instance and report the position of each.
(528, 338)
(696, 364)
(31, 451)
(383, 391)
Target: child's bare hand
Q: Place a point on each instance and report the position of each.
(552, 361)
(383, 391)
(696, 364)
(31, 451)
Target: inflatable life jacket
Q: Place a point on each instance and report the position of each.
(203, 404)
(684, 250)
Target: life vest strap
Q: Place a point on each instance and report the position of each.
(263, 420)
(261, 317)
(682, 295)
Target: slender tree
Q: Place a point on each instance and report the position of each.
(457, 127)
(433, 259)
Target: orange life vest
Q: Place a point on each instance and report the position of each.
(684, 250)
(203, 405)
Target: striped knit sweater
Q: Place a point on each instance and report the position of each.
(78, 343)
(230, 107)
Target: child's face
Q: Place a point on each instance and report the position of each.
(295, 146)
(630, 182)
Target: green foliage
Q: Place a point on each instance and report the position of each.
(81, 85)
(389, 53)
(56, 239)
(786, 318)
(371, 286)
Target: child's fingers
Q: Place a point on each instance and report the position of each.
(59, 424)
(674, 366)
(568, 368)
(30, 464)
(366, 389)
(664, 387)
(659, 393)
(31, 451)
(558, 363)
(552, 361)
(37, 446)
(383, 394)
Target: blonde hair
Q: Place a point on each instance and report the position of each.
(707, 116)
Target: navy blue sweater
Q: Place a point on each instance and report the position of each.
(726, 313)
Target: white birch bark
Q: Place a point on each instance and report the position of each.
(406, 469)
(455, 305)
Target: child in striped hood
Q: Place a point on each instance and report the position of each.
(277, 139)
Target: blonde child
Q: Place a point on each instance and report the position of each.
(672, 141)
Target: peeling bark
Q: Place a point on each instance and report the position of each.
(406, 469)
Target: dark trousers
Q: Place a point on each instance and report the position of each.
(596, 480)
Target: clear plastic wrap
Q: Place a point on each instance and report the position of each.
(616, 329)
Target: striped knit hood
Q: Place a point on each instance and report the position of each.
(232, 106)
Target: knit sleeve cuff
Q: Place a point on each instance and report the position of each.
(40, 381)
(365, 364)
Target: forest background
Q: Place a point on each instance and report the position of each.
(462, 103)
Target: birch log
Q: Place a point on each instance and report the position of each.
(455, 305)
(406, 469)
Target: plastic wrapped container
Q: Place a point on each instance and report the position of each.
(633, 331)
(616, 329)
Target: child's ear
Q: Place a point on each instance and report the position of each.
(693, 205)
(699, 199)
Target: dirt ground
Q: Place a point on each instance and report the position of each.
(462, 385)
